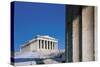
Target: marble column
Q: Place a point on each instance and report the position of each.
(54, 45)
(51, 45)
(73, 33)
(48, 44)
(40, 45)
(43, 44)
(76, 39)
(95, 34)
(88, 34)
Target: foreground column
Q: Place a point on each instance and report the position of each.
(73, 36)
(76, 39)
(87, 34)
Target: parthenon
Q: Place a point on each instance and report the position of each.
(40, 43)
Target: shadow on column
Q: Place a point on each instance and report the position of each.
(72, 12)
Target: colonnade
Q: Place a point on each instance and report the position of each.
(48, 45)
(80, 33)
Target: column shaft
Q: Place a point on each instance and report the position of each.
(39, 44)
(47, 45)
(76, 39)
(51, 45)
(43, 44)
(87, 34)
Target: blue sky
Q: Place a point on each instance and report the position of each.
(33, 19)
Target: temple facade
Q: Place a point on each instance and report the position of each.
(44, 44)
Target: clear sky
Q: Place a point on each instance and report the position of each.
(33, 19)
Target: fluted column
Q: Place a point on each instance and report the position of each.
(88, 34)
